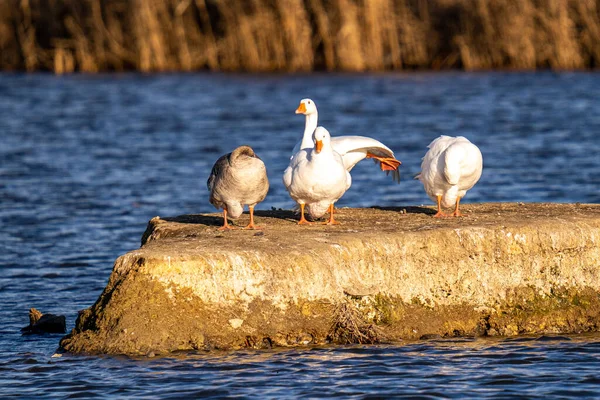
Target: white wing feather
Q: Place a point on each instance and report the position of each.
(354, 149)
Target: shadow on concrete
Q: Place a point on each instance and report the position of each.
(279, 214)
(209, 220)
(409, 209)
(288, 215)
(212, 220)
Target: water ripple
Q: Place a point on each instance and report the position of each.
(86, 161)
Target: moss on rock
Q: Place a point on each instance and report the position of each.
(505, 269)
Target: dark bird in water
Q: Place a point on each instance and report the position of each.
(237, 179)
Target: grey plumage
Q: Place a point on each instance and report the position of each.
(237, 179)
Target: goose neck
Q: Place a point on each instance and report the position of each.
(309, 127)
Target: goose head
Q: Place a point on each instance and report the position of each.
(306, 107)
(321, 138)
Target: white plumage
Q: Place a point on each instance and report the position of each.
(451, 166)
(317, 177)
(352, 148)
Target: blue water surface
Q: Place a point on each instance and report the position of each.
(87, 160)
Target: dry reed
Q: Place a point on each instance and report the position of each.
(349, 327)
(292, 35)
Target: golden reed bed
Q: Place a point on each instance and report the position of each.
(292, 35)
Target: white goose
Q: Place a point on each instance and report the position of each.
(352, 148)
(317, 177)
(451, 166)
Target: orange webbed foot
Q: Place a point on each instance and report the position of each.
(252, 226)
(457, 212)
(331, 221)
(303, 221)
(226, 228)
(389, 164)
(386, 163)
(440, 214)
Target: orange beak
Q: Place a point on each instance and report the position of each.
(319, 146)
(301, 109)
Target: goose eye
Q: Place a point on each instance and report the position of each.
(309, 102)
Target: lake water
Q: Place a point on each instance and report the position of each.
(86, 161)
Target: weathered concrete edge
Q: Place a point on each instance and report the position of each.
(437, 267)
(536, 279)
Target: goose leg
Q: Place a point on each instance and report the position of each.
(225, 226)
(331, 220)
(251, 224)
(303, 221)
(439, 210)
(456, 212)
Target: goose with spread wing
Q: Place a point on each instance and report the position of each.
(352, 148)
(237, 179)
(451, 166)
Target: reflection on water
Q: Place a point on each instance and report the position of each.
(86, 161)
